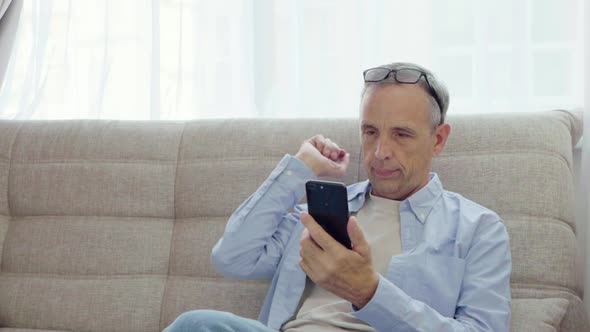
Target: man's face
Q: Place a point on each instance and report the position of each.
(398, 139)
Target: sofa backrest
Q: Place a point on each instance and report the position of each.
(88, 224)
(108, 225)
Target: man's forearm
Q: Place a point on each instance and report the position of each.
(391, 309)
(256, 233)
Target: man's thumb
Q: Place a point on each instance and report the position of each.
(357, 237)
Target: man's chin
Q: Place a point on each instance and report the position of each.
(384, 188)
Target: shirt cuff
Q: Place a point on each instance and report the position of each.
(387, 307)
(291, 174)
(295, 167)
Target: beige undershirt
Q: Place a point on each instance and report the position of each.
(324, 311)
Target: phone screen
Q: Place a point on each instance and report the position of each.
(328, 204)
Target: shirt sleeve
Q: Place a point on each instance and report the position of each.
(484, 300)
(257, 232)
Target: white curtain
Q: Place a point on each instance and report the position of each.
(9, 16)
(4, 4)
(185, 59)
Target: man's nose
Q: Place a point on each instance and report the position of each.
(383, 151)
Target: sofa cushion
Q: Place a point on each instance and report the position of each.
(538, 315)
(240, 297)
(94, 303)
(99, 168)
(87, 245)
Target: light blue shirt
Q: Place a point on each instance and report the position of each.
(453, 273)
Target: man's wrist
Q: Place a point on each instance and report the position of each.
(368, 292)
(306, 161)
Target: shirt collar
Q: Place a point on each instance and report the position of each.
(420, 203)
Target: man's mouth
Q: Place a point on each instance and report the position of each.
(385, 173)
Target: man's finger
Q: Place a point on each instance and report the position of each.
(305, 267)
(345, 160)
(338, 152)
(334, 155)
(357, 237)
(304, 234)
(318, 142)
(342, 165)
(309, 248)
(331, 150)
(328, 148)
(317, 233)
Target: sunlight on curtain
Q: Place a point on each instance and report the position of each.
(9, 16)
(170, 59)
(4, 6)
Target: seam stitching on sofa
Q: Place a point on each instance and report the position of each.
(8, 205)
(171, 248)
(120, 276)
(509, 152)
(222, 279)
(521, 217)
(96, 161)
(445, 156)
(544, 285)
(504, 216)
(118, 217)
(82, 277)
(225, 215)
(521, 285)
(531, 286)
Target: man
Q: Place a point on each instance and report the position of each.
(423, 259)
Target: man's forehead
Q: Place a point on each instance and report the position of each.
(402, 89)
(395, 100)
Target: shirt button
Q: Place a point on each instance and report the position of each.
(421, 215)
(289, 173)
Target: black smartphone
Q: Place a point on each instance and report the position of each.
(327, 203)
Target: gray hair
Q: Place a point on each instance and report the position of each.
(438, 114)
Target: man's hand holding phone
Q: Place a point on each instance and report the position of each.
(347, 273)
(323, 157)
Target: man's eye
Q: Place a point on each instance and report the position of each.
(369, 132)
(402, 135)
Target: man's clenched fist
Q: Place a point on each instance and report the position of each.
(323, 157)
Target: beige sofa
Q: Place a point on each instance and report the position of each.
(108, 225)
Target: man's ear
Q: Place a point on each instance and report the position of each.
(441, 134)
